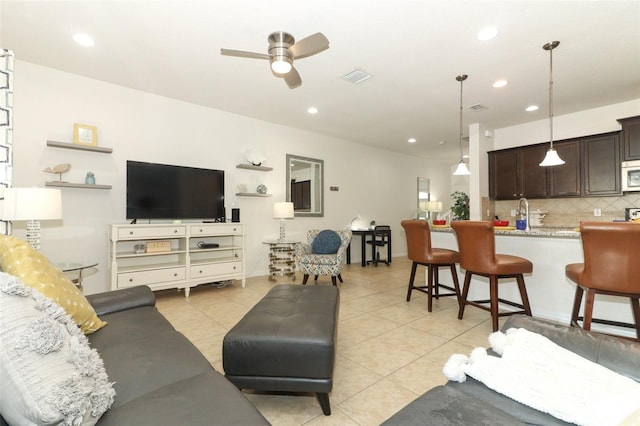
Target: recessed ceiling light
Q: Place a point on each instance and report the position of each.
(412, 140)
(312, 110)
(500, 83)
(442, 142)
(532, 108)
(487, 33)
(84, 40)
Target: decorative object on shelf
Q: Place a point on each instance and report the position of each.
(462, 169)
(551, 158)
(460, 206)
(59, 169)
(254, 157)
(261, 189)
(632, 214)
(32, 205)
(243, 187)
(85, 135)
(90, 179)
(160, 246)
(282, 211)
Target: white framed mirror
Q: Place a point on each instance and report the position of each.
(305, 185)
(423, 199)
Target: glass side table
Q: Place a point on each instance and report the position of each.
(78, 267)
(281, 259)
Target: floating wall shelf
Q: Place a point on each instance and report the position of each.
(251, 194)
(252, 167)
(80, 147)
(76, 185)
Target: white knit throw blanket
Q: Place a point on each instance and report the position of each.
(540, 374)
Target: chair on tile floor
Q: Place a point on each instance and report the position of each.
(420, 252)
(323, 254)
(380, 238)
(611, 266)
(476, 243)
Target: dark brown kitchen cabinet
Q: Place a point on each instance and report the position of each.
(516, 173)
(532, 178)
(630, 138)
(503, 178)
(601, 165)
(564, 180)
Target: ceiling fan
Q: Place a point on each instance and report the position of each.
(283, 49)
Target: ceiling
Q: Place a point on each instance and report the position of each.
(413, 48)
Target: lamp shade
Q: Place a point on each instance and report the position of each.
(462, 169)
(283, 210)
(433, 206)
(552, 159)
(32, 204)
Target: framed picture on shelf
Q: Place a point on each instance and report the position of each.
(632, 214)
(85, 135)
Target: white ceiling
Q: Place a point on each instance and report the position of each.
(413, 48)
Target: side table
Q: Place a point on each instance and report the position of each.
(281, 259)
(76, 266)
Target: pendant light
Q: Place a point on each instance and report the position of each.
(551, 158)
(462, 167)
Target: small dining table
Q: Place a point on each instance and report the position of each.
(363, 233)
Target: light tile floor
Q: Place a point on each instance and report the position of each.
(389, 351)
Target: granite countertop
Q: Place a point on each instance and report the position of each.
(537, 232)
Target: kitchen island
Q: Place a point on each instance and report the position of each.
(550, 292)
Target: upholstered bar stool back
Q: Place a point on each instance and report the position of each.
(420, 252)
(477, 246)
(611, 266)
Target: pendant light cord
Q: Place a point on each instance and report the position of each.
(461, 79)
(551, 95)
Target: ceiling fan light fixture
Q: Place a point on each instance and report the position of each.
(281, 65)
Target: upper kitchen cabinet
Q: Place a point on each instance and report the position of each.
(515, 173)
(601, 165)
(503, 174)
(592, 168)
(631, 138)
(564, 180)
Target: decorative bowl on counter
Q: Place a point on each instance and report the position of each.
(439, 221)
(500, 223)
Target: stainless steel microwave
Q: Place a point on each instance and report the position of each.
(631, 175)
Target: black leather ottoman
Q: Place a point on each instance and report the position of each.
(286, 342)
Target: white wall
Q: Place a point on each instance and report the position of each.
(583, 123)
(140, 126)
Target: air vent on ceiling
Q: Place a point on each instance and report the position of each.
(478, 107)
(357, 76)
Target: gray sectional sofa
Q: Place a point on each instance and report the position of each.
(472, 403)
(160, 377)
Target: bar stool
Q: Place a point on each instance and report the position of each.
(477, 246)
(611, 266)
(420, 252)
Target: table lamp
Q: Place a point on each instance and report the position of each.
(282, 211)
(32, 205)
(433, 206)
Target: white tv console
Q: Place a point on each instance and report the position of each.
(181, 263)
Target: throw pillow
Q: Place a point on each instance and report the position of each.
(326, 242)
(18, 258)
(48, 372)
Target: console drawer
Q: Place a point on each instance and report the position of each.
(156, 276)
(206, 229)
(136, 232)
(212, 269)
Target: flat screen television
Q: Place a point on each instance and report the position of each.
(163, 191)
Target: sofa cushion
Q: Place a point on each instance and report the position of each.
(48, 373)
(326, 242)
(18, 258)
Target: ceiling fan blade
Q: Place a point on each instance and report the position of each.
(243, 54)
(315, 43)
(292, 78)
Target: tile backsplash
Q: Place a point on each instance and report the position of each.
(567, 212)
